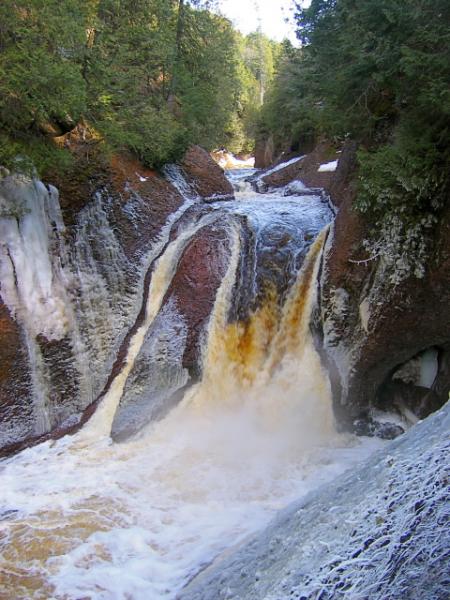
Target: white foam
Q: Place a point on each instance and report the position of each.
(162, 505)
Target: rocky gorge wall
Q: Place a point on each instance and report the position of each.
(74, 270)
(378, 332)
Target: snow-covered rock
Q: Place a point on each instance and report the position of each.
(379, 532)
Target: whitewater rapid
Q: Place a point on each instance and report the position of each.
(84, 517)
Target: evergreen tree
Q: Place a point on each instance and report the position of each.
(42, 91)
(148, 76)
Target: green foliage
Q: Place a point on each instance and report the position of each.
(40, 80)
(127, 68)
(259, 57)
(377, 71)
(42, 92)
(149, 76)
(207, 77)
(290, 113)
(154, 136)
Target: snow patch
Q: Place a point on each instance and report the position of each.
(328, 167)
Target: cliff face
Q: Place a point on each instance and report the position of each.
(74, 270)
(369, 327)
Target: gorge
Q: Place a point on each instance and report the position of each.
(186, 363)
(224, 301)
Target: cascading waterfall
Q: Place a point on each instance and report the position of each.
(247, 364)
(84, 517)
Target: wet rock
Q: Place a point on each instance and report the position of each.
(368, 326)
(371, 428)
(421, 401)
(62, 378)
(171, 354)
(193, 289)
(205, 175)
(16, 403)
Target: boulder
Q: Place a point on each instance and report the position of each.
(171, 354)
(193, 289)
(205, 176)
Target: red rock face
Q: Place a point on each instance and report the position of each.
(160, 200)
(205, 175)
(369, 341)
(195, 284)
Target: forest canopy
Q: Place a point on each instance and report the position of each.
(151, 77)
(376, 71)
(148, 76)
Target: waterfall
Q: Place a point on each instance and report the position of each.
(267, 368)
(86, 517)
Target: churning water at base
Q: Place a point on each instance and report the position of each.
(86, 518)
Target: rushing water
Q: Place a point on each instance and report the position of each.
(84, 517)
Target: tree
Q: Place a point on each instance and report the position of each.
(148, 77)
(42, 92)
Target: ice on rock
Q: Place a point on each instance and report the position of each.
(33, 283)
